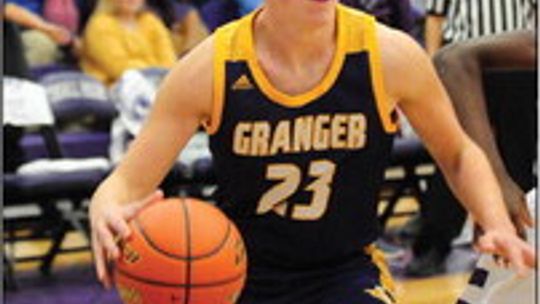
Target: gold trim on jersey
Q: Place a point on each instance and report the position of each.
(387, 291)
(218, 90)
(375, 64)
(355, 33)
(302, 99)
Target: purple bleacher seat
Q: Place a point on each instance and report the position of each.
(23, 188)
(41, 71)
(74, 95)
(74, 145)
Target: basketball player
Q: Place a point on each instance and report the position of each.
(298, 98)
(461, 65)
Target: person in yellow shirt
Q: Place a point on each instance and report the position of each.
(123, 35)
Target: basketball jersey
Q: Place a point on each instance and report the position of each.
(299, 175)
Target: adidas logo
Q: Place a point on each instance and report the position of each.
(242, 83)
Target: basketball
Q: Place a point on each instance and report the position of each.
(181, 251)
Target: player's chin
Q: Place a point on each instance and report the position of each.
(318, 10)
(320, 3)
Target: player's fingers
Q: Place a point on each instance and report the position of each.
(516, 260)
(99, 262)
(119, 225)
(513, 251)
(129, 211)
(106, 240)
(485, 244)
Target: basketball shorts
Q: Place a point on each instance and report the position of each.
(366, 280)
(491, 284)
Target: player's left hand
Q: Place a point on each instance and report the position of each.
(506, 244)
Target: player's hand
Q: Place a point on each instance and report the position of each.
(506, 244)
(109, 222)
(516, 204)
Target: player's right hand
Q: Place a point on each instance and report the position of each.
(109, 223)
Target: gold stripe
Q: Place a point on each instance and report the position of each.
(302, 99)
(377, 257)
(354, 20)
(220, 54)
(375, 64)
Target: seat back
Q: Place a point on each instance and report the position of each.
(74, 95)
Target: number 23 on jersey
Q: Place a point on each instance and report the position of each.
(289, 178)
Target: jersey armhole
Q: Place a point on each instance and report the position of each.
(218, 86)
(375, 65)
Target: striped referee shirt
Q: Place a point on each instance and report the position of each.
(466, 19)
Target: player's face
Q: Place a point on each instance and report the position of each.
(128, 6)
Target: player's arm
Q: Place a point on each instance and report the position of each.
(412, 82)
(184, 101)
(460, 68)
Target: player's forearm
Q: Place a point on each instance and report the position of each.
(433, 33)
(126, 185)
(472, 180)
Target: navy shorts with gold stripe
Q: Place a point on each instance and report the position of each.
(361, 280)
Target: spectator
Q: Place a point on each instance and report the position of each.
(41, 39)
(183, 20)
(124, 35)
(62, 12)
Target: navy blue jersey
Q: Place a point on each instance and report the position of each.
(300, 175)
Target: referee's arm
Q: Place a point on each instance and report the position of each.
(435, 17)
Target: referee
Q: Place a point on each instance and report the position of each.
(451, 21)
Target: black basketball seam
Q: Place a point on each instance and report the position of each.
(214, 251)
(187, 291)
(166, 284)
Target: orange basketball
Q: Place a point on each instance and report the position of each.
(181, 251)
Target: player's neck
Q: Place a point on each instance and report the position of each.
(295, 40)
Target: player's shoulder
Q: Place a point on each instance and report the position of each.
(198, 61)
(396, 41)
(189, 83)
(404, 62)
(399, 51)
